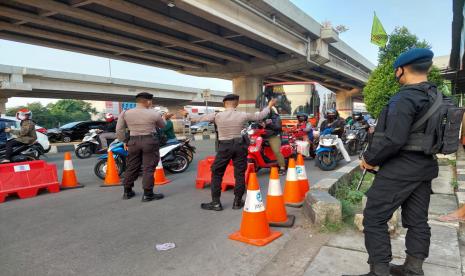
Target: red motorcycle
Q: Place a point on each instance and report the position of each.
(260, 153)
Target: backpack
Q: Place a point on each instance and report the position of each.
(441, 125)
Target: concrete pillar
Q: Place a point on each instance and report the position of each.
(248, 88)
(3, 102)
(344, 102)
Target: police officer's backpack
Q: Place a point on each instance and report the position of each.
(441, 124)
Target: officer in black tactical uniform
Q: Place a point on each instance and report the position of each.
(404, 176)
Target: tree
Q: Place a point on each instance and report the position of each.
(382, 84)
(71, 110)
(59, 113)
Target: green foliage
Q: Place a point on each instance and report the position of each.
(382, 83)
(455, 184)
(59, 113)
(331, 227)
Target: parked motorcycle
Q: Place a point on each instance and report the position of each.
(172, 156)
(260, 153)
(24, 152)
(90, 144)
(327, 153)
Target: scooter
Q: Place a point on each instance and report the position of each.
(173, 158)
(90, 144)
(24, 153)
(328, 154)
(260, 153)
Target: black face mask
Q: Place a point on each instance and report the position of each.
(400, 76)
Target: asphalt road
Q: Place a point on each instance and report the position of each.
(91, 231)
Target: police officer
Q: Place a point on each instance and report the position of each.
(231, 146)
(404, 177)
(142, 145)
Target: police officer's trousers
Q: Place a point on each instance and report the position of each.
(235, 150)
(143, 151)
(384, 198)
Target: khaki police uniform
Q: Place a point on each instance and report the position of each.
(143, 147)
(231, 146)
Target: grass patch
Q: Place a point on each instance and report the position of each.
(331, 227)
(453, 163)
(351, 200)
(455, 184)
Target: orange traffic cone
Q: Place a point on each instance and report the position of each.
(275, 210)
(160, 178)
(69, 179)
(302, 175)
(254, 226)
(112, 176)
(292, 194)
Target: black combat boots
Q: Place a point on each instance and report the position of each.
(215, 205)
(149, 195)
(238, 203)
(411, 267)
(128, 193)
(376, 270)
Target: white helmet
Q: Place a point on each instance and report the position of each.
(23, 114)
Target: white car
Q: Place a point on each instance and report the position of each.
(42, 138)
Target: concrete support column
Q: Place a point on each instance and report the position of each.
(344, 102)
(248, 88)
(3, 102)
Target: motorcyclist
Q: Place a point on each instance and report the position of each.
(304, 126)
(108, 131)
(273, 127)
(334, 122)
(335, 125)
(25, 136)
(168, 130)
(359, 120)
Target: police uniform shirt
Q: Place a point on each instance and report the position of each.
(231, 121)
(396, 120)
(140, 121)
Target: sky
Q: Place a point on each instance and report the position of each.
(428, 19)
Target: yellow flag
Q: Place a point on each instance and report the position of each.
(378, 34)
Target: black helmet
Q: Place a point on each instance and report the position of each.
(331, 114)
(357, 115)
(302, 117)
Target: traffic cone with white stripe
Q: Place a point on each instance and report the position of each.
(302, 175)
(111, 177)
(254, 226)
(275, 209)
(159, 175)
(292, 194)
(69, 179)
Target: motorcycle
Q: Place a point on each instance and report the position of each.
(24, 153)
(187, 149)
(90, 145)
(172, 156)
(355, 138)
(259, 150)
(327, 153)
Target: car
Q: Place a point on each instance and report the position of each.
(73, 131)
(203, 127)
(42, 139)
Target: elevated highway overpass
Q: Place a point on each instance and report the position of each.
(39, 83)
(247, 41)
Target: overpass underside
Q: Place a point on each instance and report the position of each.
(250, 42)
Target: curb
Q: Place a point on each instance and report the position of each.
(320, 205)
(62, 148)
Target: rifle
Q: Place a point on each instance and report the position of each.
(365, 170)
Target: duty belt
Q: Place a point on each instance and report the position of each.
(140, 136)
